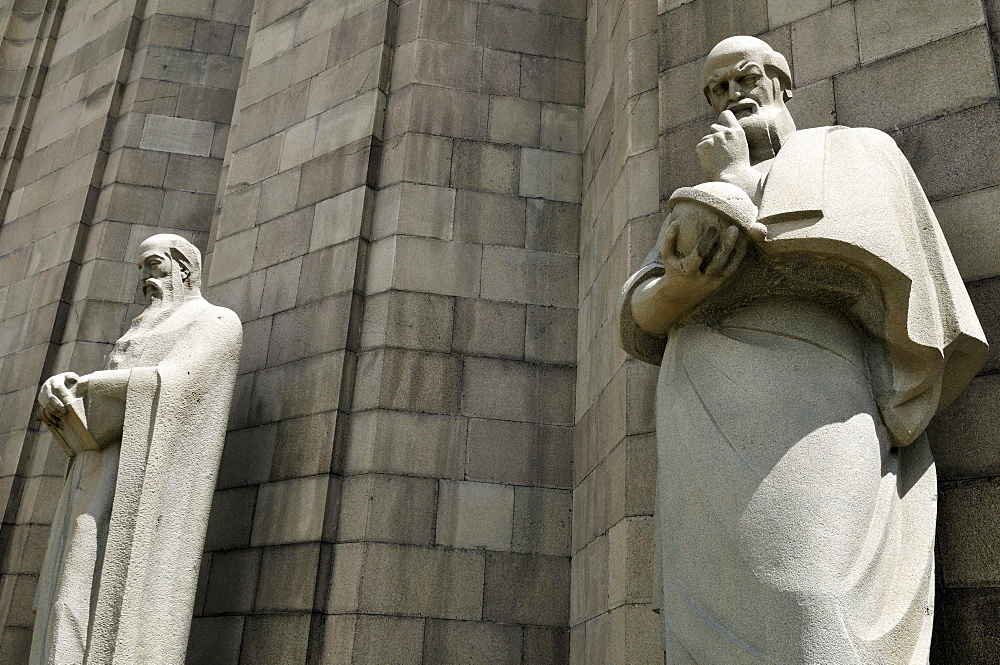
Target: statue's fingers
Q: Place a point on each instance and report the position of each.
(48, 418)
(62, 393)
(728, 119)
(736, 258)
(707, 241)
(691, 263)
(720, 259)
(668, 248)
(48, 399)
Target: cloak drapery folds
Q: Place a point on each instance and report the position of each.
(171, 385)
(850, 196)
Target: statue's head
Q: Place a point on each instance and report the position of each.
(746, 76)
(169, 268)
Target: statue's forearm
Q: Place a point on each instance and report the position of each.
(657, 307)
(105, 404)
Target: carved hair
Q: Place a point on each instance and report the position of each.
(753, 49)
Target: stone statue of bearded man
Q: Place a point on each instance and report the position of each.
(808, 321)
(144, 437)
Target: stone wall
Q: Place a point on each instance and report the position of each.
(423, 212)
(398, 230)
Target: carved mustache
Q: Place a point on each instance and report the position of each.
(743, 105)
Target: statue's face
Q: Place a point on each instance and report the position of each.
(744, 88)
(155, 268)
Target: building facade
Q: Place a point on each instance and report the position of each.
(423, 212)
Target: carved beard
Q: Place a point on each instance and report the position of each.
(761, 129)
(163, 296)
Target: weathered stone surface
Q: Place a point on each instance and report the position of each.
(455, 642)
(473, 515)
(714, 391)
(520, 588)
(156, 413)
(889, 27)
(967, 540)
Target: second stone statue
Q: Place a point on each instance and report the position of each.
(808, 321)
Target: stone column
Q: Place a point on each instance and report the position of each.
(455, 514)
(615, 450)
(289, 245)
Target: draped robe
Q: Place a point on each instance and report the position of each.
(796, 492)
(118, 580)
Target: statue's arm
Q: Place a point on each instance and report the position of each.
(106, 391)
(662, 301)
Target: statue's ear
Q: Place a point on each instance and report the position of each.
(181, 261)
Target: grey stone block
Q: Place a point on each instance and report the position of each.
(824, 44)
(968, 543)
(963, 435)
(246, 458)
(275, 638)
(528, 276)
(965, 221)
(487, 328)
(692, 29)
(310, 330)
(501, 72)
(215, 640)
(417, 581)
(889, 26)
(489, 219)
(317, 381)
(461, 642)
(232, 582)
(303, 446)
(288, 578)
(399, 442)
(387, 509)
(371, 646)
(545, 646)
(485, 166)
(551, 335)
(474, 515)
(948, 76)
(534, 33)
(953, 154)
(551, 80)
(542, 521)
(511, 390)
(290, 511)
(408, 380)
(527, 588)
(985, 295)
(965, 623)
(231, 519)
(404, 319)
(552, 226)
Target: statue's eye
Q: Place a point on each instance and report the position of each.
(721, 88)
(750, 81)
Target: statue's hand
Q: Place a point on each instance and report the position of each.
(725, 155)
(57, 392)
(698, 274)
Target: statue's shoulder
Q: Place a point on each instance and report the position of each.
(218, 318)
(866, 135)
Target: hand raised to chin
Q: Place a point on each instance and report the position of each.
(725, 155)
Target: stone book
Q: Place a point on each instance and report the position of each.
(72, 433)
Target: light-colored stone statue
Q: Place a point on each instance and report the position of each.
(808, 320)
(144, 437)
